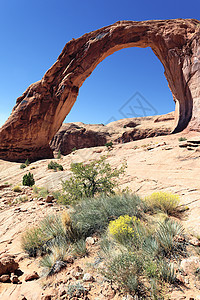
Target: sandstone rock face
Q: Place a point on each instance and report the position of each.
(41, 110)
(80, 135)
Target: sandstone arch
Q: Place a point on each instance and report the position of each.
(40, 111)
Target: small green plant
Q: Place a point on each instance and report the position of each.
(28, 180)
(26, 164)
(79, 248)
(59, 155)
(76, 290)
(55, 166)
(56, 260)
(167, 272)
(74, 149)
(181, 139)
(17, 189)
(40, 191)
(89, 180)
(109, 145)
(22, 166)
(163, 201)
(166, 235)
(33, 241)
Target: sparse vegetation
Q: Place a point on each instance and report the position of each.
(40, 191)
(137, 250)
(163, 201)
(53, 165)
(181, 139)
(26, 164)
(89, 180)
(59, 155)
(109, 145)
(28, 180)
(17, 189)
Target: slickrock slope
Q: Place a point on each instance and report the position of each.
(154, 164)
(40, 111)
(79, 135)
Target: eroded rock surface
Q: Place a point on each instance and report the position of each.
(41, 110)
(79, 135)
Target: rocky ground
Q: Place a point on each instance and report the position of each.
(159, 163)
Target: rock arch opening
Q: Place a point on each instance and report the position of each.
(40, 111)
(125, 73)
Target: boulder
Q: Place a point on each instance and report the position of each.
(8, 264)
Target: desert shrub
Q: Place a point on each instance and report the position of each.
(89, 180)
(55, 261)
(93, 215)
(28, 180)
(33, 241)
(76, 290)
(53, 230)
(125, 270)
(125, 229)
(17, 189)
(181, 139)
(79, 248)
(26, 164)
(163, 201)
(167, 272)
(22, 166)
(53, 165)
(166, 235)
(40, 191)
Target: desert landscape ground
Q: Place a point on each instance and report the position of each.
(104, 211)
(160, 163)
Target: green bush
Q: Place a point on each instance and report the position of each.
(17, 189)
(125, 270)
(40, 191)
(109, 145)
(181, 139)
(55, 166)
(163, 201)
(22, 166)
(93, 215)
(89, 180)
(28, 179)
(26, 164)
(166, 235)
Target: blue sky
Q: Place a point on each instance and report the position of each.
(33, 33)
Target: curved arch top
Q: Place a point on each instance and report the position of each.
(41, 110)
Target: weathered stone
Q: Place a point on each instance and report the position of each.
(49, 199)
(189, 265)
(8, 264)
(90, 241)
(88, 277)
(40, 111)
(32, 276)
(14, 278)
(194, 241)
(5, 278)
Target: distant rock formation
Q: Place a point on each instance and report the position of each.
(80, 135)
(41, 110)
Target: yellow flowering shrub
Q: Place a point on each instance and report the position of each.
(163, 201)
(124, 228)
